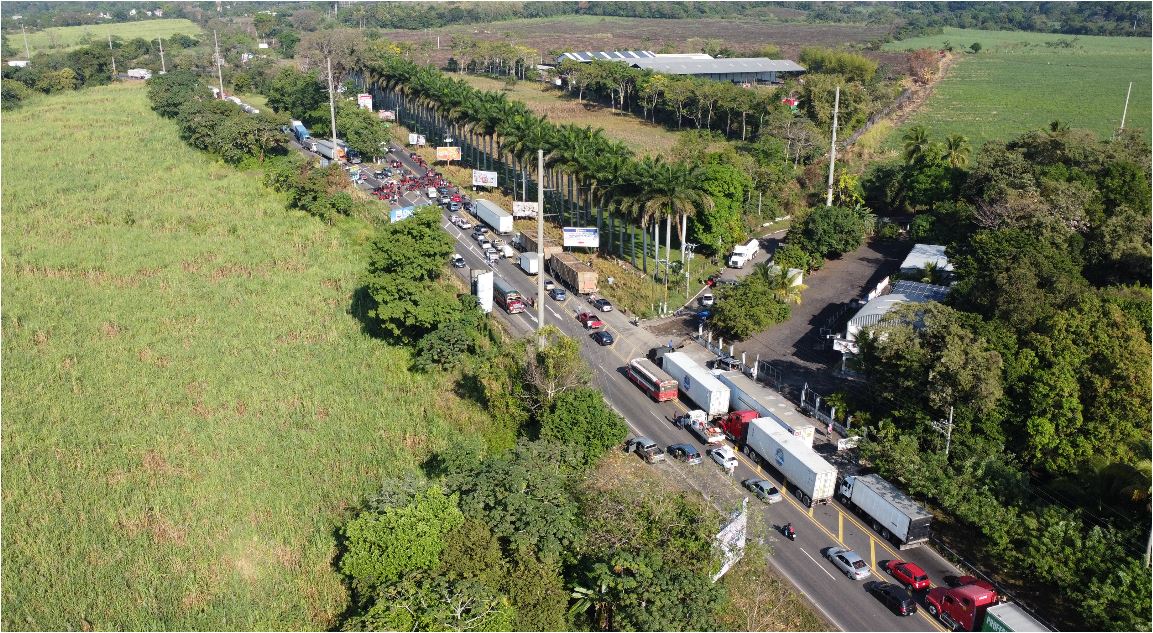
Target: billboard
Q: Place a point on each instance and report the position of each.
(483, 178)
(415, 139)
(448, 153)
(524, 209)
(364, 101)
(387, 115)
(588, 237)
(400, 213)
(482, 288)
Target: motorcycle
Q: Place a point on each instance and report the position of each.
(789, 532)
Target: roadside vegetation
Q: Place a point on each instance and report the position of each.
(65, 38)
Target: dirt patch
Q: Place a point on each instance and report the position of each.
(110, 330)
(161, 530)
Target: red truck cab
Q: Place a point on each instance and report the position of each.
(961, 608)
(736, 424)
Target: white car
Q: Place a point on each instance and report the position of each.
(723, 456)
(849, 562)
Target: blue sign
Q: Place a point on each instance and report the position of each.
(588, 237)
(400, 213)
(780, 455)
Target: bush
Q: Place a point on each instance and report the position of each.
(14, 93)
(748, 308)
(792, 256)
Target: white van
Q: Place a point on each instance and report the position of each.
(432, 194)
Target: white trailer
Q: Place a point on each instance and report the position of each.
(529, 263)
(813, 477)
(746, 394)
(491, 214)
(697, 383)
(507, 251)
(742, 253)
(893, 514)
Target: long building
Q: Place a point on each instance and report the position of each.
(745, 70)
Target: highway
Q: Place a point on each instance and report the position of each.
(844, 602)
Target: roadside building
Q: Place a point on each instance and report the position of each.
(900, 292)
(743, 70)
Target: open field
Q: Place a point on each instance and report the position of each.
(63, 38)
(1019, 83)
(189, 409)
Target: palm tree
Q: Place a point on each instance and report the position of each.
(957, 151)
(917, 144)
(783, 283)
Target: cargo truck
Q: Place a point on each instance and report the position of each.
(893, 514)
(814, 478)
(747, 394)
(697, 383)
(1010, 617)
(529, 263)
(327, 150)
(960, 608)
(527, 242)
(578, 276)
(697, 422)
(742, 253)
(491, 214)
(299, 131)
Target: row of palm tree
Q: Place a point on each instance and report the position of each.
(588, 174)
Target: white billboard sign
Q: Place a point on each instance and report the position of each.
(482, 288)
(387, 115)
(588, 237)
(364, 101)
(483, 178)
(415, 139)
(731, 539)
(524, 209)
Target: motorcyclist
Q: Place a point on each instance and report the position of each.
(789, 531)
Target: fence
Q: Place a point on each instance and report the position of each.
(877, 116)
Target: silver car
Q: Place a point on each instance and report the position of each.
(849, 562)
(764, 489)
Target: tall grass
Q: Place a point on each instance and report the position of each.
(1023, 81)
(63, 38)
(189, 409)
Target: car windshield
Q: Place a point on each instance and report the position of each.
(920, 577)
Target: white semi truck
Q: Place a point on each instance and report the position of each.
(813, 477)
(491, 214)
(697, 383)
(893, 514)
(742, 253)
(746, 394)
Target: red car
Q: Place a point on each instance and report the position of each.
(908, 574)
(590, 320)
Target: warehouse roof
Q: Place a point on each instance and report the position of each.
(923, 254)
(718, 66)
(901, 292)
(588, 56)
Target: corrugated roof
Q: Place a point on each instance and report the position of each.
(901, 292)
(925, 253)
(718, 66)
(588, 56)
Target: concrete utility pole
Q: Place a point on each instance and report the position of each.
(332, 108)
(946, 428)
(113, 57)
(163, 68)
(540, 244)
(28, 51)
(219, 72)
(1125, 112)
(833, 148)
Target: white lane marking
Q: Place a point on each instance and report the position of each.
(658, 416)
(819, 566)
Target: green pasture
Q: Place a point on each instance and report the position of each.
(62, 38)
(1019, 82)
(189, 408)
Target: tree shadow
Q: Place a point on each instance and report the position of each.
(361, 307)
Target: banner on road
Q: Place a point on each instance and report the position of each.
(364, 101)
(387, 115)
(588, 237)
(524, 209)
(483, 178)
(448, 153)
(400, 213)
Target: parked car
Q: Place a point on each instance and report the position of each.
(909, 575)
(707, 300)
(590, 320)
(445, 200)
(893, 597)
(549, 284)
(849, 562)
(484, 243)
(603, 338)
(646, 449)
(763, 489)
(558, 294)
(723, 456)
(602, 304)
(686, 453)
(727, 363)
(457, 261)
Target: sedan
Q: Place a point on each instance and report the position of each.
(549, 284)
(910, 575)
(849, 562)
(603, 338)
(454, 206)
(558, 294)
(893, 597)
(707, 300)
(445, 199)
(724, 457)
(465, 224)
(764, 489)
(602, 304)
(686, 453)
(457, 261)
(590, 320)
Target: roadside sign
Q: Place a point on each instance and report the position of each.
(364, 101)
(448, 153)
(483, 178)
(524, 209)
(587, 237)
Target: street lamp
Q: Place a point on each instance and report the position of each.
(689, 246)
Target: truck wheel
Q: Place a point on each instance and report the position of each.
(807, 501)
(932, 610)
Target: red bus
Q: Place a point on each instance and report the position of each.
(506, 296)
(659, 385)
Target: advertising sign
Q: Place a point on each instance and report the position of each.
(524, 209)
(387, 115)
(364, 101)
(482, 288)
(483, 178)
(731, 539)
(415, 139)
(588, 237)
(448, 153)
(400, 213)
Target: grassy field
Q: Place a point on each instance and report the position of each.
(189, 409)
(62, 38)
(1020, 82)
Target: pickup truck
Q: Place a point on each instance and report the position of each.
(646, 449)
(590, 320)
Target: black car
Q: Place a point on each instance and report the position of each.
(685, 452)
(893, 596)
(602, 304)
(603, 338)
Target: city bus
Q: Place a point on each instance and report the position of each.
(652, 380)
(506, 296)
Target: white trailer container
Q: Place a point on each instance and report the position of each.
(697, 383)
(742, 253)
(507, 251)
(746, 394)
(529, 263)
(491, 214)
(804, 469)
(893, 514)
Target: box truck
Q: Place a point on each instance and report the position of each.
(491, 214)
(747, 394)
(529, 263)
(806, 471)
(892, 513)
(577, 275)
(299, 131)
(697, 383)
(742, 253)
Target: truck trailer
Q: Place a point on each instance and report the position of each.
(327, 150)
(577, 275)
(300, 132)
(813, 477)
(529, 263)
(892, 513)
(742, 253)
(491, 214)
(697, 383)
(747, 394)
(1010, 617)
(527, 242)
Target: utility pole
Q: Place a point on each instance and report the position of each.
(1125, 112)
(946, 429)
(28, 51)
(332, 108)
(539, 245)
(113, 56)
(688, 264)
(833, 148)
(219, 72)
(163, 68)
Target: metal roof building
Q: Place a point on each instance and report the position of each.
(924, 254)
(606, 56)
(738, 70)
(901, 292)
